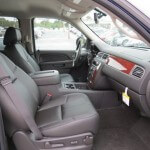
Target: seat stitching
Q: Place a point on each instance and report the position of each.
(44, 128)
(66, 98)
(62, 106)
(61, 112)
(15, 69)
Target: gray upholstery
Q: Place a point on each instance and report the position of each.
(66, 115)
(28, 90)
(70, 114)
(20, 57)
(17, 53)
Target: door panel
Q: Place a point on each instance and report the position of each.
(55, 44)
(58, 60)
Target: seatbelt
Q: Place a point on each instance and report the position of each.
(7, 84)
(26, 43)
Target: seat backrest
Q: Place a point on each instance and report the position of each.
(3, 140)
(17, 53)
(26, 88)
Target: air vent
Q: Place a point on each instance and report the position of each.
(138, 72)
(105, 56)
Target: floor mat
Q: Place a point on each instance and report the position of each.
(122, 128)
(118, 117)
(119, 139)
(142, 130)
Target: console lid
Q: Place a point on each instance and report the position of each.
(49, 77)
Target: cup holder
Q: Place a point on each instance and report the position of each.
(69, 86)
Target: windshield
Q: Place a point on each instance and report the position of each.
(142, 5)
(111, 30)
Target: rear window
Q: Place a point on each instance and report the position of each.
(6, 22)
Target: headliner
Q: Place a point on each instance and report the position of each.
(70, 9)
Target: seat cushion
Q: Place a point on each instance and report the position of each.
(66, 78)
(67, 115)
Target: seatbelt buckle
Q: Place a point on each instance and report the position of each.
(47, 98)
(5, 80)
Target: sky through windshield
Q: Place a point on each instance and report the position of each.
(142, 5)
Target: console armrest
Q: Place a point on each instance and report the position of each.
(50, 77)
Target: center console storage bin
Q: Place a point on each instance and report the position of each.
(79, 85)
(50, 77)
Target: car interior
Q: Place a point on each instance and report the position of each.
(74, 75)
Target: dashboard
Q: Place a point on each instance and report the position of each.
(125, 66)
(123, 69)
(121, 64)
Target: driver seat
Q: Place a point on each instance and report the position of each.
(18, 54)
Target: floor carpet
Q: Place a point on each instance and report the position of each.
(123, 128)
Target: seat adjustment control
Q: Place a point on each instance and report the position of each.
(47, 145)
(74, 142)
(57, 145)
(88, 140)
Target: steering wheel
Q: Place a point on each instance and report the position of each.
(78, 50)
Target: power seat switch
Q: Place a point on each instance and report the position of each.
(88, 140)
(47, 145)
(74, 142)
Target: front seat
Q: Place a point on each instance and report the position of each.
(66, 122)
(17, 53)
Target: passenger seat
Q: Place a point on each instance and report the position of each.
(17, 53)
(66, 122)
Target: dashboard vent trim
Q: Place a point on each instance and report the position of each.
(138, 72)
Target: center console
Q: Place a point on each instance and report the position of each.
(76, 85)
(96, 79)
(93, 72)
(43, 78)
(49, 82)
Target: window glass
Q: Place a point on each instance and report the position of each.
(141, 5)
(54, 34)
(6, 22)
(111, 30)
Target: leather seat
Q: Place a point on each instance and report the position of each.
(71, 114)
(17, 53)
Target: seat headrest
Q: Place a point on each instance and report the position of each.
(12, 36)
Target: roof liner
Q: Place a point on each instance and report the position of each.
(54, 8)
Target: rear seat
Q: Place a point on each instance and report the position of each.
(69, 115)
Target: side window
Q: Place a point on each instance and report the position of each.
(6, 22)
(54, 34)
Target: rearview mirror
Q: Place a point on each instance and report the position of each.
(96, 18)
(98, 15)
